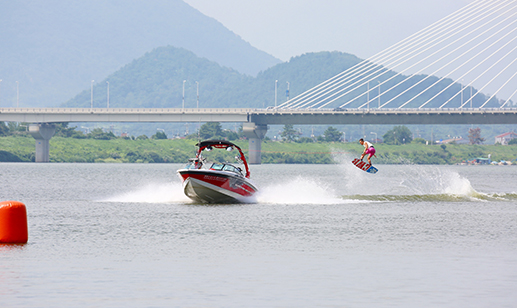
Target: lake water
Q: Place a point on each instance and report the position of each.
(124, 235)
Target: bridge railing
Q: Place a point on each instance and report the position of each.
(386, 110)
(241, 111)
(126, 110)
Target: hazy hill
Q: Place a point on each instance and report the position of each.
(54, 48)
(156, 80)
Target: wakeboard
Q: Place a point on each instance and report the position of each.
(364, 166)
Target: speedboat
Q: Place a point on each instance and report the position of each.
(217, 182)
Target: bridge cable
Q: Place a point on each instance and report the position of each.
(443, 39)
(489, 83)
(379, 55)
(443, 48)
(396, 56)
(497, 91)
(509, 98)
(453, 60)
(385, 58)
(472, 68)
(479, 76)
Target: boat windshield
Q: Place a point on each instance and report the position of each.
(225, 167)
(217, 166)
(232, 169)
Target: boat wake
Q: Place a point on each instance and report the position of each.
(411, 183)
(349, 185)
(152, 193)
(433, 197)
(299, 191)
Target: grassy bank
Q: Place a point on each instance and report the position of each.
(179, 150)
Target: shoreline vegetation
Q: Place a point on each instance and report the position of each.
(120, 150)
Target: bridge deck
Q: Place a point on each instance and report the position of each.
(264, 116)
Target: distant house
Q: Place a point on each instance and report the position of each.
(504, 138)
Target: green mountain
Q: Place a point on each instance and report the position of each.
(52, 49)
(156, 80)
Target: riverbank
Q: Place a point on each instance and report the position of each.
(21, 149)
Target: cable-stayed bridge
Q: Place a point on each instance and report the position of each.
(450, 64)
(440, 75)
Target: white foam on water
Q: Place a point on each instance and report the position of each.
(299, 191)
(434, 180)
(407, 180)
(354, 180)
(458, 185)
(152, 193)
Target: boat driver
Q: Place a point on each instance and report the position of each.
(198, 163)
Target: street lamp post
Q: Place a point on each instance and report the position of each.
(373, 133)
(108, 98)
(197, 93)
(368, 95)
(91, 96)
(469, 97)
(276, 84)
(461, 93)
(183, 104)
(379, 86)
(17, 95)
(287, 91)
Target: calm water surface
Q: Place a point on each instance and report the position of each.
(110, 235)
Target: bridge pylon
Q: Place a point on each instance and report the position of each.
(255, 134)
(42, 133)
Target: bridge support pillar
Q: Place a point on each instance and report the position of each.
(42, 133)
(255, 134)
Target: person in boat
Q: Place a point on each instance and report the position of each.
(368, 149)
(198, 163)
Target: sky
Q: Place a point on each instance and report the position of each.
(288, 28)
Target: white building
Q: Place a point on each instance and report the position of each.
(505, 138)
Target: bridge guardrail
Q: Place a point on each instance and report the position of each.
(125, 110)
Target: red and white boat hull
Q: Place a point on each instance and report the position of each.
(216, 186)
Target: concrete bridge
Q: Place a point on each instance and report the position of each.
(255, 121)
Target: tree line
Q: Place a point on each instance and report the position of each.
(213, 130)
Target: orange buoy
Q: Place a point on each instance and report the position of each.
(13, 222)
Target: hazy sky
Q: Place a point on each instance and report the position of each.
(287, 28)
